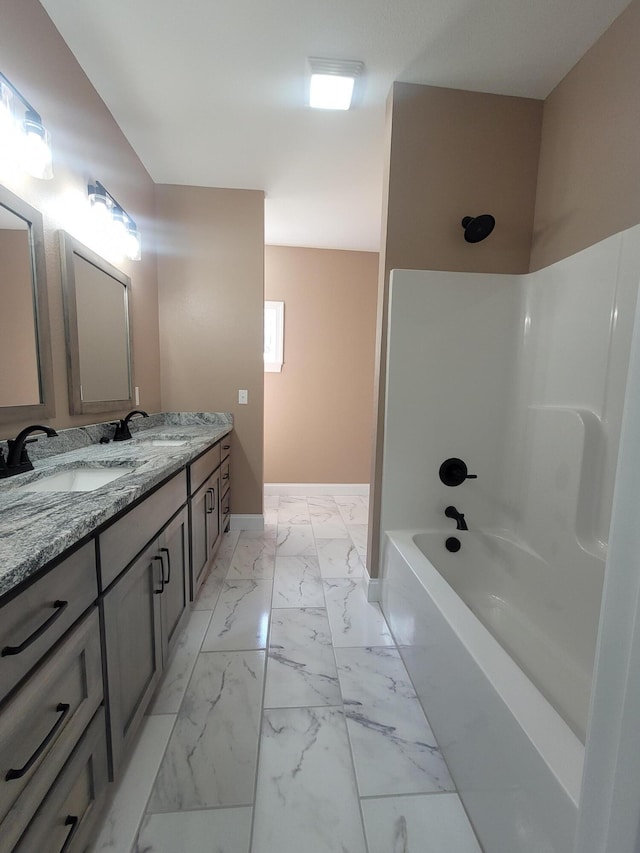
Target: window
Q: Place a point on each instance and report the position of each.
(273, 336)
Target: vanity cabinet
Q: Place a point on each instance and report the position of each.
(142, 616)
(83, 647)
(65, 820)
(210, 477)
(52, 690)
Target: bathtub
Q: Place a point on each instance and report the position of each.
(487, 672)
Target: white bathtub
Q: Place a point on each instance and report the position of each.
(515, 760)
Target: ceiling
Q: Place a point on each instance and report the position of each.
(212, 92)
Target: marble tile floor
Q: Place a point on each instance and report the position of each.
(286, 720)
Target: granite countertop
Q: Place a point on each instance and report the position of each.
(36, 527)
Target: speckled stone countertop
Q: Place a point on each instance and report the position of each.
(36, 527)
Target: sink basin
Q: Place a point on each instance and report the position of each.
(76, 479)
(161, 442)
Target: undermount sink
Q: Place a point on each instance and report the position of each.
(84, 479)
(162, 442)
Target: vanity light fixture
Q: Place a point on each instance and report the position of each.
(111, 217)
(332, 83)
(23, 137)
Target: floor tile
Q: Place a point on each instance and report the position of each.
(394, 750)
(353, 509)
(241, 617)
(270, 515)
(297, 627)
(306, 796)
(339, 558)
(373, 676)
(293, 511)
(358, 534)
(301, 677)
(354, 621)
(203, 831)
(175, 679)
(271, 501)
(209, 592)
(324, 510)
(436, 823)
(121, 822)
(253, 558)
(295, 539)
(297, 582)
(211, 756)
(330, 530)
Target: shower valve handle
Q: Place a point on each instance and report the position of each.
(454, 471)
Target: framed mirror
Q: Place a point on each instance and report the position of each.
(98, 330)
(26, 374)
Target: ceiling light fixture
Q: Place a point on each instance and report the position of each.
(332, 83)
(114, 223)
(23, 137)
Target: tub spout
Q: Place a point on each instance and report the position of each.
(452, 512)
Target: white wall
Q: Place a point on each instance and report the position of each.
(450, 377)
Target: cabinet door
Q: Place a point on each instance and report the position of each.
(199, 552)
(213, 514)
(175, 597)
(133, 645)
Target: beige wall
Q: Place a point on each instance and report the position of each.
(87, 144)
(330, 310)
(451, 154)
(589, 179)
(211, 281)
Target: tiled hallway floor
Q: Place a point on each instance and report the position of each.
(286, 721)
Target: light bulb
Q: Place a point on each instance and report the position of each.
(37, 153)
(133, 243)
(9, 131)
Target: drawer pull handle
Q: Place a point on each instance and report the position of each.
(168, 553)
(74, 822)
(226, 447)
(63, 710)
(161, 590)
(60, 607)
(225, 511)
(225, 476)
(211, 492)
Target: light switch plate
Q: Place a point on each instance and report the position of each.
(243, 397)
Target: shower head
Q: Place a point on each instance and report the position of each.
(476, 228)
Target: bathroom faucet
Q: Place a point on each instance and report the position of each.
(122, 427)
(452, 512)
(17, 460)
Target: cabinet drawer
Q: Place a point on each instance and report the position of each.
(225, 475)
(43, 722)
(67, 816)
(225, 446)
(120, 543)
(35, 619)
(203, 466)
(225, 511)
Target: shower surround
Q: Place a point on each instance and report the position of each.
(522, 377)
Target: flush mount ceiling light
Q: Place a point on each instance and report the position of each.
(113, 221)
(332, 83)
(23, 138)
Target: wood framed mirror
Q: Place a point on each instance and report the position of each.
(98, 330)
(26, 373)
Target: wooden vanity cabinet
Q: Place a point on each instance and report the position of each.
(142, 616)
(209, 478)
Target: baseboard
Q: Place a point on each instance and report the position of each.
(372, 587)
(304, 489)
(247, 522)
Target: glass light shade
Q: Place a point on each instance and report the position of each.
(133, 244)
(9, 131)
(37, 158)
(330, 92)
(101, 206)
